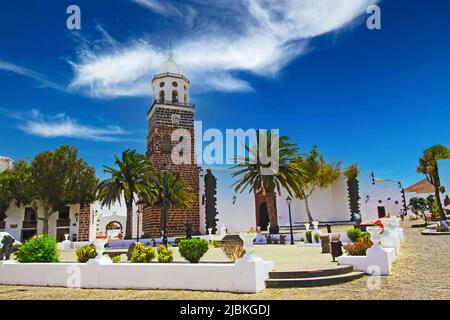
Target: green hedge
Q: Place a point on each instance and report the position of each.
(85, 253)
(165, 255)
(142, 254)
(38, 249)
(193, 249)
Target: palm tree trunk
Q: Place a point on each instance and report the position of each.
(45, 223)
(129, 225)
(272, 213)
(308, 211)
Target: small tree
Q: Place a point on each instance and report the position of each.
(428, 165)
(420, 207)
(58, 179)
(317, 174)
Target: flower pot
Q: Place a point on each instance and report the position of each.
(315, 225)
(248, 239)
(100, 248)
(307, 226)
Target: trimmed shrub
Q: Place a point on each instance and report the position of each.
(359, 248)
(309, 236)
(116, 259)
(354, 234)
(193, 249)
(233, 250)
(38, 249)
(85, 253)
(165, 255)
(142, 254)
(316, 237)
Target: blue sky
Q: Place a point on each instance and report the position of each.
(309, 68)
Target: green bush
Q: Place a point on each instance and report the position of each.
(116, 259)
(165, 255)
(85, 253)
(316, 238)
(38, 249)
(193, 249)
(309, 236)
(142, 254)
(354, 234)
(364, 235)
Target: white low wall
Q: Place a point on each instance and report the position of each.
(377, 261)
(379, 258)
(241, 277)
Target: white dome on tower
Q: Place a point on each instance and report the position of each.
(170, 85)
(170, 66)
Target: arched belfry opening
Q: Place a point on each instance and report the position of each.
(175, 96)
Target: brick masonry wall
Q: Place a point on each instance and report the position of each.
(84, 223)
(160, 124)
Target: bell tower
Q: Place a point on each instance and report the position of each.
(171, 111)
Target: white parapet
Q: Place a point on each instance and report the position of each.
(378, 260)
(241, 277)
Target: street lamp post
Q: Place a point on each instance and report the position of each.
(164, 169)
(289, 201)
(139, 211)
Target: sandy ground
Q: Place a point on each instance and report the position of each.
(421, 271)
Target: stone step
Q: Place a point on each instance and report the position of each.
(313, 282)
(310, 273)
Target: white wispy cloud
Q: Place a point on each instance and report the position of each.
(22, 71)
(161, 7)
(61, 125)
(256, 36)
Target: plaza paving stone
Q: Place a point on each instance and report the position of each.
(421, 271)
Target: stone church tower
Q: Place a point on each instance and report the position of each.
(171, 111)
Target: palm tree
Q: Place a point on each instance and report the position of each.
(178, 193)
(131, 178)
(257, 175)
(167, 191)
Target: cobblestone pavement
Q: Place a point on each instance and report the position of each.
(421, 271)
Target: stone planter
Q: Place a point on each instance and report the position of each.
(100, 248)
(248, 239)
(307, 225)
